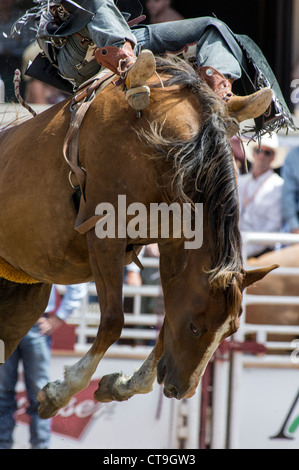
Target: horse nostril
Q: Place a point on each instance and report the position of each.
(171, 391)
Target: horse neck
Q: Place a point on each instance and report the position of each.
(176, 260)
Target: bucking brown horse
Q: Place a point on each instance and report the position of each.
(177, 151)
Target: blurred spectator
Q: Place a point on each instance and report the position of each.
(34, 351)
(151, 276)
(38, 92)
(295, 73)
(160, 11)
(239, 154)
(295, 93)
(11, 49)
(132, 275)
(260, 192)
(290, 191)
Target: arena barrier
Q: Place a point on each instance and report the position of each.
(255, 396)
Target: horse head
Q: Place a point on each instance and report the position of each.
(199, 315)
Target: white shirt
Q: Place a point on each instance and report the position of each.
(260, 205)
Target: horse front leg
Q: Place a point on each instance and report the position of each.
(107, 265)
(120, 387)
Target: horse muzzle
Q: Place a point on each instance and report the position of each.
(171, 387)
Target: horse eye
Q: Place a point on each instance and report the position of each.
(194, 330)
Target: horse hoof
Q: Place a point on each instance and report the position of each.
(47, 408)
(104, 391)
(107, 391)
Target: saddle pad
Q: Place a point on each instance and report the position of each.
(8, 272)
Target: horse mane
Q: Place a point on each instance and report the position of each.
(204, 171)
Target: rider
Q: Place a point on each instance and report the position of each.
(78, 37)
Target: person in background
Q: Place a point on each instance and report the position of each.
(11, 48)
(295, 87)
(37, 92)
(161, 11)
(290, 191)
(34, 351)
(151, 276)
(132, 276)
(239, 154)
(260, 192)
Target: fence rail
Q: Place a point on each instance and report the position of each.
(262, 331)
(141, 328)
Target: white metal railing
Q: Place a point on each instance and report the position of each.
(141, 328)
(262, 331)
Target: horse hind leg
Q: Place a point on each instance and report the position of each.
(21, 305)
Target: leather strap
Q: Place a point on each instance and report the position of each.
(136, 20)
(91, 86)
(71, 142)
(79, 107)
(135, 258)
(88, 224)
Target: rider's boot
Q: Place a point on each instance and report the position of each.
(240, 108)
(133, 71)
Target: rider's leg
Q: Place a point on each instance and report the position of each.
(239, 107)
(195, 38)
(219, 69)
(108, 28)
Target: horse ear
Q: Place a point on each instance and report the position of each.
(257, 274)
